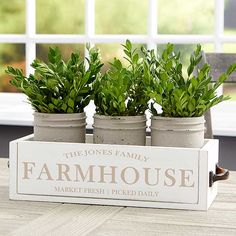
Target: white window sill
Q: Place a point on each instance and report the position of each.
(14, 110)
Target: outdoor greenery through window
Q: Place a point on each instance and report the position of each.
(173, 20)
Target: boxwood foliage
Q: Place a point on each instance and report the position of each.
(179, 95)
(59, 86)
(120, 91)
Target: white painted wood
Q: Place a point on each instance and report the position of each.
(217, 221)
(209, 159)
(30, 49)
(128, 185)
(167, 194)
(13, 165)
(12, 38)
(219, 32)
(89, 18)
(20, 216)
(188, 39)
(30, 32)
(79, 219)
(14, 214)
(4, 176)
(30, 19)
(15, 110)
(219, 24)
(59, 38)
(213, 157)
(115, 38)
(228, 38)
(152, 24)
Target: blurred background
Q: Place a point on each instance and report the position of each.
(111, 17)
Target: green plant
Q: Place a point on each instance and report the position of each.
(179, 96)
(120, 91)
(59, 86)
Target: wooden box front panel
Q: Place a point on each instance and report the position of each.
(145, 174)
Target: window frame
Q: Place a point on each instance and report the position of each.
(151, 39)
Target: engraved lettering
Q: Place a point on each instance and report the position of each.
(146, 176)
(186, 178)
(28, 169)
(169, 173)
(45, 171)
(103, 174)
(88, 174)
(63, 170)
(136, 175)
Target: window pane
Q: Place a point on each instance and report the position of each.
(185, 17)
(12, 19)
(111, 50)
(186, 51)
(121, 16)
(10, 55)
(66, 50)
(230, 88)
(229, 48)
(60, 17)
(229, 17)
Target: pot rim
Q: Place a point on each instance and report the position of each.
(176, 118)
(58, 114)
(105, 117)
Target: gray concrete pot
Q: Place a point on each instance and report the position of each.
(177, 132)
(69, 127)
(127, 130)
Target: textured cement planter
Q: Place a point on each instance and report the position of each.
(127, 130)
(177, 132)
(60, 127)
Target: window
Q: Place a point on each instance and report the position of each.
(28, 27)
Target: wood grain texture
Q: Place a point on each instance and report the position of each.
(69, 219)
(14, 214)
(220, 219)
(36, 218)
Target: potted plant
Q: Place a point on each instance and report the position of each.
(58, 92)
(120, 102)
(183, 99)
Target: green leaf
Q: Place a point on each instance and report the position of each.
(71, 103)
(181, 96)
(231, 69)
(70, 110)
(194, 82)
(122, 89)
(51, 106)
(190, 69)
(128, 45)
(135, 58)
(55, 101)
(58, 84)
(64, 107)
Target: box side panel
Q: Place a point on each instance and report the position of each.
(213, 158)
(13, 169)
(203, 178)
(207, 162)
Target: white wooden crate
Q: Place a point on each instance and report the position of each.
(141, 176)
